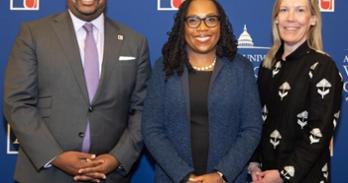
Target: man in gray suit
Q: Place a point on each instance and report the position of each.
(74, 90)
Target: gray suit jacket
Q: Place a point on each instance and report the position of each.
(46, 100)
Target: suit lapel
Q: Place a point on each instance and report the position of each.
(185, 88)
(112, 47)
(64, 30)
(217, 69)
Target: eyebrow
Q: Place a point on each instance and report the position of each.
(207, 15)
(300, 6)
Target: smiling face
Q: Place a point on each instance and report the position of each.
(86, 9)
(202, 39)
(294, 21)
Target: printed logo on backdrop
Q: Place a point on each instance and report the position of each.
(24, 5)
(167, 5)
(12, 142)
(247, 47)
(327, 5)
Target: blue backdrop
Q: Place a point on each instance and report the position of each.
(251, 19)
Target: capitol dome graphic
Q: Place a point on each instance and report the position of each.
(245, 40)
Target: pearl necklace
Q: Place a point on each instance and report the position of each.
(205, 68)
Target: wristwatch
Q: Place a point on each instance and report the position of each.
(222, 176)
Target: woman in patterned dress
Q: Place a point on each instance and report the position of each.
(300, 89)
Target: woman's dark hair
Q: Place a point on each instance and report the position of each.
(174, 50)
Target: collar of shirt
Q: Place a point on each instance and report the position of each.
(78, 23)
(295, 55)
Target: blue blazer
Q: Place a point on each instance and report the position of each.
(234, 121)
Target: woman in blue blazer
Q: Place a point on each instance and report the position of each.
(202, 117)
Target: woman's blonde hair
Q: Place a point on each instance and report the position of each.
(314, 37)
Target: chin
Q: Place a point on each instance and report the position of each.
(205, 51)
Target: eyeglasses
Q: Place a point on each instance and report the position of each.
(209, 21)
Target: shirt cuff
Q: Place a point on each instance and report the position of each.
(49, 163)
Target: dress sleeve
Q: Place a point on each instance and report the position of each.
(324, 101)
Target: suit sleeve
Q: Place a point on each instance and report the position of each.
(21, 101)
(129, 146)
(238, 156)
(154, 132)
(324, 103)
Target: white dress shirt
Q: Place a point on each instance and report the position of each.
(98, 32)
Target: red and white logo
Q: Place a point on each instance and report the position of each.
(24, 4)
(327, 5)
(163, 5)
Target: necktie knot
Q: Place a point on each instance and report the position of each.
(88, 27)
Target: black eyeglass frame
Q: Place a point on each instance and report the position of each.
(218, 17)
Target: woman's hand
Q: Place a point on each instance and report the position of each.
(207, 178)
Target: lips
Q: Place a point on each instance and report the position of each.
(87, 2)
(291, 28)
(203, 38)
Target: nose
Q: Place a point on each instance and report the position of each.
(202, 26)
(291, 16)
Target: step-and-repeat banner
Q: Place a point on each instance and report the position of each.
(251, 21)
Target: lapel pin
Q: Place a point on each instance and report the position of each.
(120, 37)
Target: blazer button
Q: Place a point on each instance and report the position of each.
(81, 134)
(90, 109)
